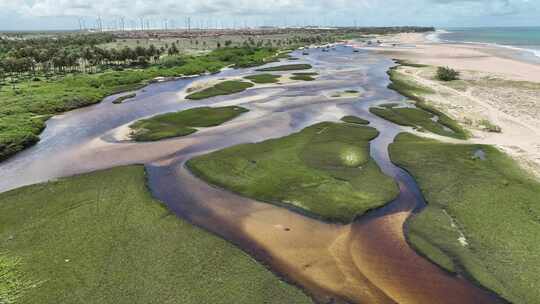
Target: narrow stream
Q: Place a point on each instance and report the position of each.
(368, 261)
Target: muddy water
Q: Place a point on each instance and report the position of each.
(368, 261)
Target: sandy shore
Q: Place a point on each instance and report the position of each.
(495, 87)
(477, 57)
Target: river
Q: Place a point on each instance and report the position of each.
(368, 261)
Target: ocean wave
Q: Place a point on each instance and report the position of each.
(435, 36)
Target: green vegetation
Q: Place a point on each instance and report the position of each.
(324, 171)
(25, 106)
(182, 123)
(123, 98)
(447, 74)
(483, 215)
(102, 238)
(263, 78)
(416, 118)
(488, 126)
(409, 88)
(354, 120)
(286, 67)
(304, 76)
(222, 88)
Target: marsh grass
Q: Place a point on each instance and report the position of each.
(491, 201)
(263, 78)
(182, 123)
(414, 117)
(101, 238)
(223, 88)
(286, 67)
(324, 171)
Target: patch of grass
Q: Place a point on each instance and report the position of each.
(13, 283)
(354, 120)
(263, 78)
(413, 117)
(489, 202)
(352, 91)
(121, 99)
(287, 67)
(323, 171)
(182, 123)
(102, 238)
(222, 88)
(405, 86)
(489, 127)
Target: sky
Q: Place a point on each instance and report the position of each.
(71, 14)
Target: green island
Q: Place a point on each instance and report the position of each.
(223, 88)
(123, 98)
(304, 76)
(85, 239)
(286, 67)
(416, 92)
(416, 118)
(323, 171)
(482, 219)
(26, 105)
(354, 120)
(263, 78)
(182, 123)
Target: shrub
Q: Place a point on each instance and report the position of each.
(447, 74)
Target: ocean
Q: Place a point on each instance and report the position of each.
(525, 39)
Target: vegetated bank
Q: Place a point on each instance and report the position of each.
(483, 214)
(26, 106)
(102, 238)
(324, 171)
(182, 123)
(414, 91)
(416, 118)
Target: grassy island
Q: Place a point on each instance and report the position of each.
(324, 171)
(304, 76)
(182, 123)
(483, 214)
(222, 88)
(354, 120)
(263, 78)
(101, 238)
(287, 67)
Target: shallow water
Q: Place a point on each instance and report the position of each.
(367, 261)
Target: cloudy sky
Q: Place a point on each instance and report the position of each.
(66, 14)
